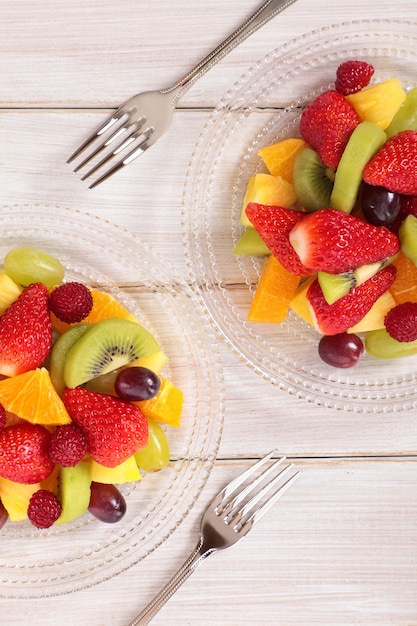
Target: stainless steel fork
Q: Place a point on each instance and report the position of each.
(137, 124)
(228, 518)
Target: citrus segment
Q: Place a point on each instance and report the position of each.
(404, 287)
(299, 303)
(166, 406)
(32, 397)
(279, 157)
(276, 288)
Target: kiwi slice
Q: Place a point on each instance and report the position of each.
(105, 346)
(251, 244)
(408, 237)
(312, 180)
(365, 140)
(335, 286)
(406, 116)
(73, 491)
(59, 354)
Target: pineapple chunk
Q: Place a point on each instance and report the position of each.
(270, 190)
(9, 291)
(378, 103)
(374, 319)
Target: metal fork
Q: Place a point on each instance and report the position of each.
(137, 124)
(228, 518)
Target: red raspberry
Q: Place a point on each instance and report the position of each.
(71, 302)
(401, 322)
(2, 416)
(68, 446)
(352, 76)
(44, 508)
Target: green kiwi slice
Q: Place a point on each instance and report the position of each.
(73, 491)
(59, 354)
(365, 140)
(408, 237)
(105, 346)
(251, 244)
(335, 286)
(406, 116)
(312, 180)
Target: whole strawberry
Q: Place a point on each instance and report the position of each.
(25, 331)
(327, 124)
(274, 224)
(334, 241)
(394, 166)
(114, 429)
(352, 76)
(24, 453)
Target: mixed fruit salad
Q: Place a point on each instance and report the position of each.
(83, 403)
(335, 215)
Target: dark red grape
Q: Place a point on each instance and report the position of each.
(106, 503)
(4, 516)
(380, 206)
(342, 350)
(137, 383)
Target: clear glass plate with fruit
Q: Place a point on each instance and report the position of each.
(111, 399)
(287, 147)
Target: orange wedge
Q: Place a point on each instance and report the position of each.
(275, 290)
(104, 306)
(32, 397)
(404, 287)
(166, 406)
(279, 157)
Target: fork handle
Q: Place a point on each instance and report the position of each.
(266, 11)
(196, 558)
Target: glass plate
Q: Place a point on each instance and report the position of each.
(261, 108)
(37, 563)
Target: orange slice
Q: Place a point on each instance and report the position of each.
(32, 397)
(104, 306)
(404, 287)
(275, 290)
(279, 157)
(166, 406)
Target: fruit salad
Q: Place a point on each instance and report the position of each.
(84, 406)
(335, 216)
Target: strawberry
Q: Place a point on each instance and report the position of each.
(114, 429)
(273, 224)
(25, 331)
(352, 76)
(24, 453)
(394, 166)
(401, 322)
(332, 319)
(327, 124)
(334, 241)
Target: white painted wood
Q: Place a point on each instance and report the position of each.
(340, 547)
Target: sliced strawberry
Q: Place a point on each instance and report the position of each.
(274, 224)
(331, 319)
(114, 429)
(327, 124)
(334, 241)
(24, 453)
(25, 332)
(394, 166)
(352, 76)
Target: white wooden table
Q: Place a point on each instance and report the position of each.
(341, 547)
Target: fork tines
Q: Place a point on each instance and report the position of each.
(253, 500)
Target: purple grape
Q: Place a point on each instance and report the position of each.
(137, 383)
(106, 503)
(380, 206)
(342, 350)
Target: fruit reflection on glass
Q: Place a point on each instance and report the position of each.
(82, 396)
(335, 216)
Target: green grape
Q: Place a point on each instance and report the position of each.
(381, 345)
(156, 454)
(29, 265)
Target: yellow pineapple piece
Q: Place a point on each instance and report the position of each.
(275, 289)
(279, 157)
(126, 472)
(374, 319)
(15, 498)
(267, 189)
(378, 103)
(9, 291)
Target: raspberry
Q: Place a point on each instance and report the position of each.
(71, 302)
(352, 76)
(44, 508)
(401, 322)
(68, 446)
(2, 416)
